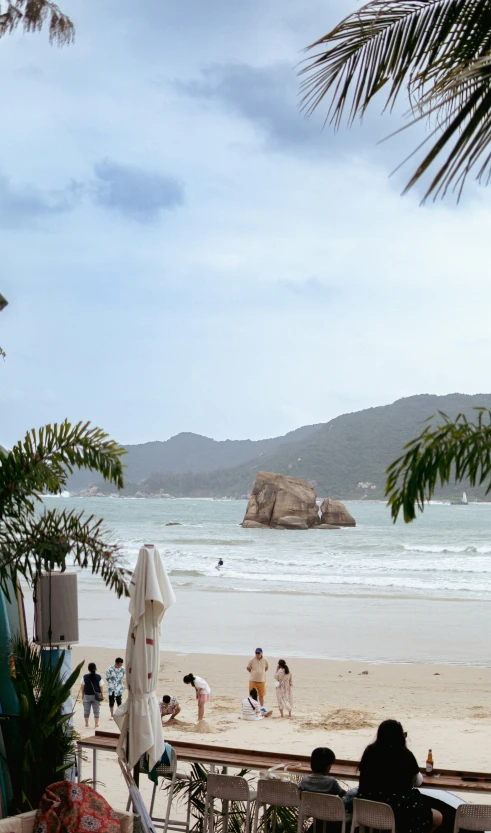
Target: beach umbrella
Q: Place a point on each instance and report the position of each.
(138, 717)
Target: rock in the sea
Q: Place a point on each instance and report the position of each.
(173, 523)
(326, 526)
(276, 496)
(254, 525)
(292, 522)
(334, 513)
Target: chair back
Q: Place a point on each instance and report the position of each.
(227, 787)
(277, 793)
(372, 814)
(322, 806)
(473, 817)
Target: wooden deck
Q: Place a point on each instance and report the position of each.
(443, 779)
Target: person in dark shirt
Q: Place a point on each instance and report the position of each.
(92, 685)
(320, 781)
(388, 773)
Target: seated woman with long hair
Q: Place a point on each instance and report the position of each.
(389, 773)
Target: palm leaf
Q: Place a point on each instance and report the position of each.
(32, 15)
(436, 51)
(458, 450)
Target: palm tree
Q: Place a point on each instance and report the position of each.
(32, 15)
(34, 537)
(458, 450)
(437, 54)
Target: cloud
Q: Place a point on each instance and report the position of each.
(21, 206)
(269, 98)
(138, 194)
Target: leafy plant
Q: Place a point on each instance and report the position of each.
(41, 743)
(31, 15)
(31, 541)
(435, 52)
(457, 450)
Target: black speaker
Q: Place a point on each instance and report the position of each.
(56, 609)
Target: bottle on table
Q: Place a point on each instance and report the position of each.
(429, 763)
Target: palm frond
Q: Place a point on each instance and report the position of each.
(29, 541)
(458, 450)
(433, 50)
(32, 15)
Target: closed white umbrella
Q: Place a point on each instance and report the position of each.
(138, 717)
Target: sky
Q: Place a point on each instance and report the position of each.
(183, 250)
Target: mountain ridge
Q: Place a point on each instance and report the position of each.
(344, 458)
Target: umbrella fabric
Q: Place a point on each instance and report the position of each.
(139, 717)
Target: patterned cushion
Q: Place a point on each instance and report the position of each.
(74, 808)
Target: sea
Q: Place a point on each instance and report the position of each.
(379, 592)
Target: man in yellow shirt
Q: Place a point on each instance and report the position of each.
(257, 668)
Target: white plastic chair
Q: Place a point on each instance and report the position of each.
(322, 807)
(276, 793)
(372, 814)
(473, 817)
(228, 788)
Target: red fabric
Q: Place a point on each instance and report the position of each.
(74, 808)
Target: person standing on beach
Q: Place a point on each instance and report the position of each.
(284, 687)
(115, 675)
(92, 694)
(203, 692)
(257, 668)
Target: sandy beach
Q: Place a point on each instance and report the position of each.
(337, 704)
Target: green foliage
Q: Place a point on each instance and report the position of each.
(31, 541)
(45, 746)
(459, 450)
(437, 53)
(32, 15)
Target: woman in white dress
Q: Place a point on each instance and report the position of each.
(284, 688)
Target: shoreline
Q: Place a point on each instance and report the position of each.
(395, 632)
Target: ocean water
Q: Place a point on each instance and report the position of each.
(379, 591)
(446, 553)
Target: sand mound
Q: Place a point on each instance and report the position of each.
(202, 726)
(339, 719)
(478, 713)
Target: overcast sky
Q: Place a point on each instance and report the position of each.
(183, 251)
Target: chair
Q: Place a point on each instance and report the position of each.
(372, 814)
(473, 817)
(322, 807)
(276, 794)
(228, 788)
(168, 771)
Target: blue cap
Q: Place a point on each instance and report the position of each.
(259, 650)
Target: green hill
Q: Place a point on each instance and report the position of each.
(344, 458)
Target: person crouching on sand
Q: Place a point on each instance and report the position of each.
(169, 706)
(203, 692)
(251, 709)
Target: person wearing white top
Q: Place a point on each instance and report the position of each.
(252, 709)
(203, 692)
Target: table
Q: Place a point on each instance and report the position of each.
(444, 779)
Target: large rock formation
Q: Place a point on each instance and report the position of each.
(334, 513)
(285, 502)
(276, 498)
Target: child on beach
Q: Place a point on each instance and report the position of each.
(169, 706)
(203, 692)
